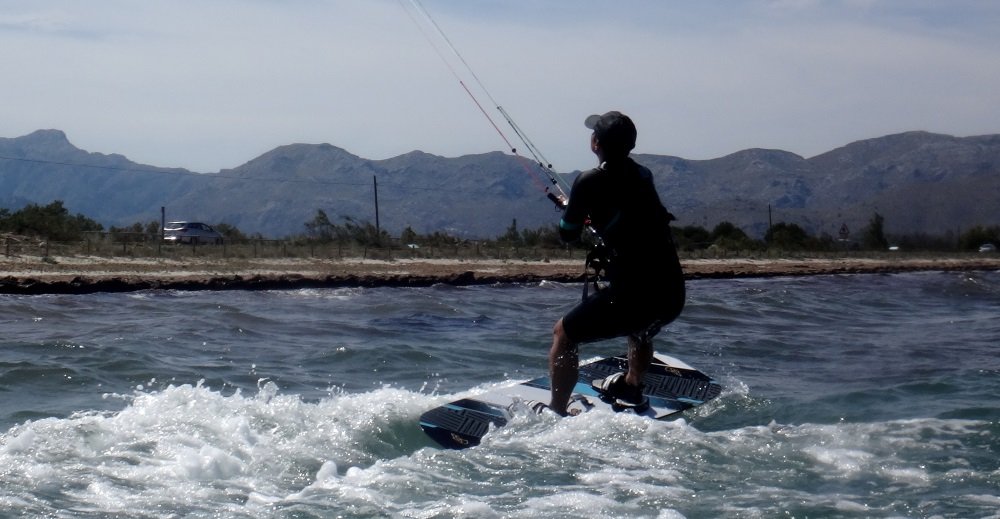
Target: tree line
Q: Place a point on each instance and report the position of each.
(55, 223)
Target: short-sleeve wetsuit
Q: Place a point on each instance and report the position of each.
(646, 284)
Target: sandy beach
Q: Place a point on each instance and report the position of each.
(83, 274)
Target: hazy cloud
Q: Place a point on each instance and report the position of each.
(209, 84)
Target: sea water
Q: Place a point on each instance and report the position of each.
(845, 396)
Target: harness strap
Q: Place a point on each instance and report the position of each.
(595, 268)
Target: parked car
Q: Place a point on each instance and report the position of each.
(191, 232)
(987, 247)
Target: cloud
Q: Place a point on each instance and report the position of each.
(44, 22)
(209, 84)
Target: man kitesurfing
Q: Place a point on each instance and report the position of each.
(636, 254)
(638, 257)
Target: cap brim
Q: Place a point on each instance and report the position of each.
(591, 121)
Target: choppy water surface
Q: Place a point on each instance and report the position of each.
(846, 396)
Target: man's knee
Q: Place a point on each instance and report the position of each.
(561, 343)
(559, 334)
(558, 329)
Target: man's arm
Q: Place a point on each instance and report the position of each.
(569, 232)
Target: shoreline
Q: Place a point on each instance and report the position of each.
(28, 275)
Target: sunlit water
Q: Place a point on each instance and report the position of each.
(845, 396)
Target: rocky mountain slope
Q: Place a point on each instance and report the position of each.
(919, 182)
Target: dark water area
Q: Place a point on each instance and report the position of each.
(845, 396)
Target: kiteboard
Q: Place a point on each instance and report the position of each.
(670, 385)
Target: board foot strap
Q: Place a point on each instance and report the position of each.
(612, 390)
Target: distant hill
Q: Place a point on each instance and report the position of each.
(920, 182)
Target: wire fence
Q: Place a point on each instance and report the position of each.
(138, 245)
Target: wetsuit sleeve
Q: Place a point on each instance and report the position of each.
(569, 232)
(571, 224)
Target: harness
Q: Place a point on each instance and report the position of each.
(595, 268)
(602, 260)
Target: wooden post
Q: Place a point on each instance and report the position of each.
(770, 222)
(163, 223)
(378, 231)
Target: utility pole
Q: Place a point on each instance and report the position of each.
(378, 230)
(163, 223)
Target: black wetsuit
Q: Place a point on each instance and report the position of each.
(646, 285)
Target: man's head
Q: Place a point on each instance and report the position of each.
(614, 133)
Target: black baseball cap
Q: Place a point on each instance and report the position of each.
(614, 131)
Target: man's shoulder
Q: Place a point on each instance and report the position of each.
(590, 173)
(588, 177)
(643, 170)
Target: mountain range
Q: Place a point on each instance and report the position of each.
(920, 182)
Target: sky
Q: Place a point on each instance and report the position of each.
(211, 84)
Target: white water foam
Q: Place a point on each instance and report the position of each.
(196, 451)
(188, 447)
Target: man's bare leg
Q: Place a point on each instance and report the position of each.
(640, 356)
(564, 368)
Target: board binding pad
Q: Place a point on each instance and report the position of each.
(671, 385)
